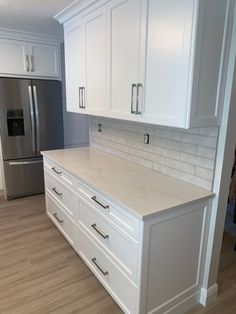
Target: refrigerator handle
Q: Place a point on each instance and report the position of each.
(32, 117)
(37, 117)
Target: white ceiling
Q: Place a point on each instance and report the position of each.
(32, 15)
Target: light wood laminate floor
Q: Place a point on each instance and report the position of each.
(40, 273)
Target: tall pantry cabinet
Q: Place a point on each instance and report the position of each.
(151, 61)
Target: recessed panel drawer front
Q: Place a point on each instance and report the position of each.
(121, 217)
(121, 288)
(58, 172)
(63, 194)
(63, 222)
(118, 245)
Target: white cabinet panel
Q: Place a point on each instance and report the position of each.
(95, 61)
(44, 60)
(74, 63)
(124, 49)
(168, 49)
(13, 57)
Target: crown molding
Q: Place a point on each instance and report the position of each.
(29, 36)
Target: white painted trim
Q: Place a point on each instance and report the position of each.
(224, 161)
(207, 296)
(73, 9)
(29, 36)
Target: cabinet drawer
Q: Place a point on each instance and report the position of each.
(118, 245)
(60, 192)
(58, 172)
(122, 218)
(121, 289)
(63, 222)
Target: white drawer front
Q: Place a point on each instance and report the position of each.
(63, 222)
(58, 172)
(63, 194)
(120, 246)
(122, 290)
(125, 220)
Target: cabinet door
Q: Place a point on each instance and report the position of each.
(124, 24)
(168, 61)
(44, 60)
(95, 61)
(13, 57)
(74, 64)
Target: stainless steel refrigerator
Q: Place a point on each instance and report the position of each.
(30, 121)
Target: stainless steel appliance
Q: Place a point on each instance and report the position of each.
(30, 121)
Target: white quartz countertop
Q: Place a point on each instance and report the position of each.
(142, 191)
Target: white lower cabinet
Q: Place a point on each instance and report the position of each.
(148, 264)
(62, 221)
(117, 284)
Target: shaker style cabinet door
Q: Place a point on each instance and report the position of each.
(13, 57)
(94, 28)
(124, 47)
(44, 60)
(168, 59)
(74, 65)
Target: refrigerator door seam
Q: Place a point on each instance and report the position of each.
(37, 117)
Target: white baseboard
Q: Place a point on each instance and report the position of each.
(207, 296)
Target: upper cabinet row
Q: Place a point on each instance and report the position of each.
(21, 58)
(151, 61)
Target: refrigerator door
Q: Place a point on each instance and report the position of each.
(17, 119)
(23, 177)
(47, 96)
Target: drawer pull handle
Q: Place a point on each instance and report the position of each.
(57, 172)
(94, 226)
(59, 220)
(99, 267)
(94, 198)
(55, 191)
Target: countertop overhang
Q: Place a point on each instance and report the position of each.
(142, 191)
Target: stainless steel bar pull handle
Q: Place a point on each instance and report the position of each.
(80, 98)
(94, 226)
(83, 97)
(55, 191)
(58, 219)
(132, 98)
(139, 86)
(94, 198)
(57, 172)
(27, 62)
(32, 118)
(105, 273)
(31, 63)
(37, 117)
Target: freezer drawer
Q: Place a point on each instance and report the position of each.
(23, 177)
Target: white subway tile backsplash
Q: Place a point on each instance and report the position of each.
(188, 155)
(199, 140)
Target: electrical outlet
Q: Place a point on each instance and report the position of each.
(99, 127)
(146, 138)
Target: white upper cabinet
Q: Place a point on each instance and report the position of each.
(184, 49)
(44, 60)
(26, 58)
(85, 62)
(152, 61)
(13, 57)
(124, 52)
(74, 65)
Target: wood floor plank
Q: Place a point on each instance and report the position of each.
(40, 273)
